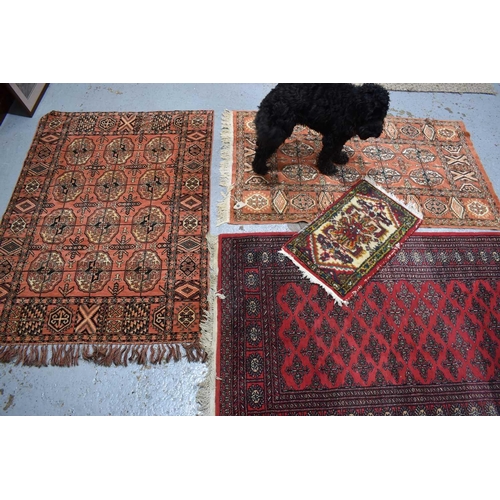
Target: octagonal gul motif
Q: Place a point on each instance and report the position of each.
(68, 186)
(424, 177)
(349, 174)
(299, 172)
(158, 150)
(418, 155)
(93, 271)
(79, 151)
(410, 131)
(154, 184)
(384, 175)
(148, 224)
(297, 149)
(45, 272)
(102, 226)
(118, 151)
(111, 185)
(378, 153)
(58, 225)
(143, 271)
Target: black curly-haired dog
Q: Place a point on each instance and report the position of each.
(338, 111)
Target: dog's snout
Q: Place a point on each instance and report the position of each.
(370, 130)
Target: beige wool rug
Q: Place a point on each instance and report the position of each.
(462, 88)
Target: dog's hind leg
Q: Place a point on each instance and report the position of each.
(267, 144)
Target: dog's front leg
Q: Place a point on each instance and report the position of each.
(330, 154)
(267, 144)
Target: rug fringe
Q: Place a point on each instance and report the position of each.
(340, 301)
(102, 355)
(223, 207)
(29, 355)
(206, 390)
(411, 206)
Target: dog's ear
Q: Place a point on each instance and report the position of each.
(370, 94)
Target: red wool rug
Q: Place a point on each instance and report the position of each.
(103, 251)
(421, 338)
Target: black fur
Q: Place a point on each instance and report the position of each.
(338, 111)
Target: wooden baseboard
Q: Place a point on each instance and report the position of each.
(6, 100)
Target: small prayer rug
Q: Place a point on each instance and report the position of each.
(429, 163)
(103, 251)
(422, 337)
(347, 244)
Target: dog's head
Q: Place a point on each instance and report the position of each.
(372, 106)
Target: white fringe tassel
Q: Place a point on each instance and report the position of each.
(313, 279)
(223, 207)
(410, 206)
(206, 391)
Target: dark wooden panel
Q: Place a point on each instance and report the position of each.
(6, 100)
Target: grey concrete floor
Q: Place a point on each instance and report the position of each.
(171, 389)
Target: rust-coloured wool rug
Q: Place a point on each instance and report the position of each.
(103, 251)
(427, 162)
(422, 337)
(352, 239)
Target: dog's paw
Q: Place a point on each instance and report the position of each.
(260, 169)
(341, 159)
(327, 168)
